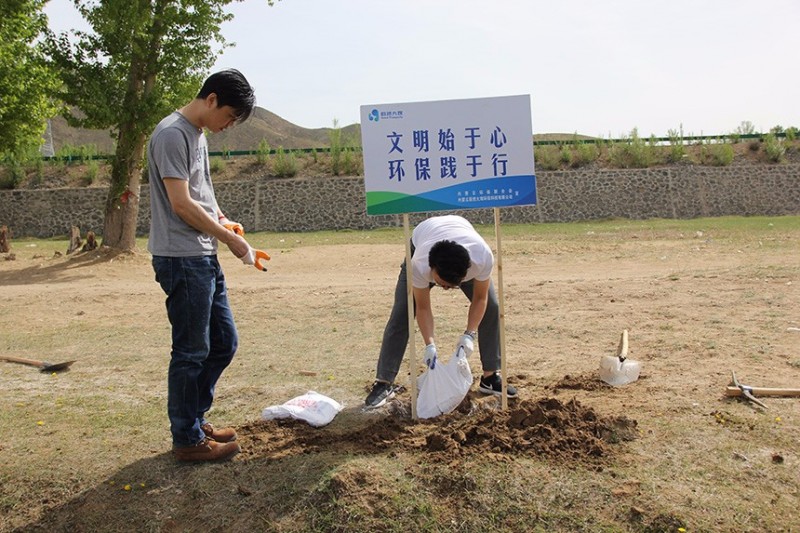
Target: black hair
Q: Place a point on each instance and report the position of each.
(232, 89)
(450, 260)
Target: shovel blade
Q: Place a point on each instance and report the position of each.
(617, 373)
(55, 367)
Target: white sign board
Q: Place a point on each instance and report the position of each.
(446, 155)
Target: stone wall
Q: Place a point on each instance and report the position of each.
(269, 204)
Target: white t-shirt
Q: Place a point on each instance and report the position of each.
(450, 228)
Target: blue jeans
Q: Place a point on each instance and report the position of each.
(204, 339)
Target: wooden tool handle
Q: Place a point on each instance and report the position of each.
(21, 360)
(762, 391)
(622, 350)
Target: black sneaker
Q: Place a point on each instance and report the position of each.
(381, 391)
(494, 385)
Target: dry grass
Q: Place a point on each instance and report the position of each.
(700, 298)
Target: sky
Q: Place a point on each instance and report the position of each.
(593, 67)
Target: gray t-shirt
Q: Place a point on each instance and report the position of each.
(178, 149)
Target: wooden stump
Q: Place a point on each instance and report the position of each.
(5, 240)
(91, 242)
(74, 240)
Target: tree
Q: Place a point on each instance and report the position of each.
(27, 80)
(142, 59)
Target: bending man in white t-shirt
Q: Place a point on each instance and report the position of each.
(448, 252)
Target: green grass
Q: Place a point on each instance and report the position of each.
(733, 227)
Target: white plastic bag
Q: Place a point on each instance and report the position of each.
(442, 388)
(312, 407)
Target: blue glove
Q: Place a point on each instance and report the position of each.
(467, 343)
(430, 356)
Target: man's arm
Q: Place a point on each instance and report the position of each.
(190, 212)
(422, 301)
(480, 298)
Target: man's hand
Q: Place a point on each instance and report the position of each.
(235, 227)
(430, 356)
(254, 257)
(467, 343)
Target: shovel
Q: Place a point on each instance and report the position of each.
(619, 370)
(44, 366)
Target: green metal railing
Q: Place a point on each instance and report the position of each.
(659, 140)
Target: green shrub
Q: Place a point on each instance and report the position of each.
(86, 152)
(262, 152)
(633, 152)
(774, 148)
(719, 154)
(69, 154)
(92, 168)
(65, 155)
(565, 155)
(584, 154)
(38, 168)
(342, 147)
(351, 163)
(217, 165)
(677, 151)
(284, 165)
(14, 168)
(335, 141)
(547, 157)
(12, 173)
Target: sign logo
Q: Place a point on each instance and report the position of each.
(376, 116)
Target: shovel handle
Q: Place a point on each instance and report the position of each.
(31, 362)
(622, 351)
(732, 391)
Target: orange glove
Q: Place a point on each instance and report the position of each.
(254, 257)
(235, 227)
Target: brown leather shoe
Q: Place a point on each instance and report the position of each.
(207, 450)
(219, 435)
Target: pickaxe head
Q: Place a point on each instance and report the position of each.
(747, 392)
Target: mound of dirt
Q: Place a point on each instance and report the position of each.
(588, 382)
(546, 427)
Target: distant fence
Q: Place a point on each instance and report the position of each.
(311, 204)
(680, 139)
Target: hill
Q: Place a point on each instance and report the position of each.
(263, 125)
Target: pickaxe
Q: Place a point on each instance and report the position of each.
(737, 389)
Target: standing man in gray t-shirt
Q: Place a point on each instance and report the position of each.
(185, 227)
